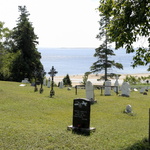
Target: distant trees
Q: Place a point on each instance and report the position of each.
(103, 52)
(129, 21)
(137, 80)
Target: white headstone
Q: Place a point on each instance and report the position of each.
(89, 90)
(61, 85)
(107, 88)
(116, 89)
(142, 90)
(26, 80)
(125, 89)
(128, 109)
(22, 85)
(44, 82)
(135, 89)
(49, 83)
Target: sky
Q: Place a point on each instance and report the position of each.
(57, 23)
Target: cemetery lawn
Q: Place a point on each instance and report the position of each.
(33, 121)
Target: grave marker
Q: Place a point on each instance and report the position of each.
(116, 84)
(61, 85)
(107, 88)
(125, 89)
(128, 109)
(52, 73)
(142, 90)
(49, 83)
(81, 116)
(90, 91)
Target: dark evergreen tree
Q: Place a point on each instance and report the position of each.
(67, 81)
(103, 62)
(25, 42)
(103, 52)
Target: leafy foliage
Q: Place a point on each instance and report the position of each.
(85, 77)
(129, 21)
(136, 80)
(5, 57)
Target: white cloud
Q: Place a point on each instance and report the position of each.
(57, 23)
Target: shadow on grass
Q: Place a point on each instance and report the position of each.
(141, 145)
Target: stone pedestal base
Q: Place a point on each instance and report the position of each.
(93, 101)
(85, 131)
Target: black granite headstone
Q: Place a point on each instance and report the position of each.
(81, 114)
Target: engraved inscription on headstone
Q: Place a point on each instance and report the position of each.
(81, 113)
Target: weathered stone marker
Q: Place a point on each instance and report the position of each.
(90, 92)
(81, 116)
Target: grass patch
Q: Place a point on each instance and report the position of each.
(29, 120)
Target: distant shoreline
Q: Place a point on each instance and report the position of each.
(77, 79)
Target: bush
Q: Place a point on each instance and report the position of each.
(67, 81)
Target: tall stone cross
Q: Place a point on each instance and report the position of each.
(52, 73)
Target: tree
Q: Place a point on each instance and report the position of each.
(103, 63)
(67, 81)
(130, 20)
(5, 57)
(103, 52)
(85, 77)
(25, 42)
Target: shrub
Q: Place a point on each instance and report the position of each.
(67, 81)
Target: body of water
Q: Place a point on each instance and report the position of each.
(77, 61)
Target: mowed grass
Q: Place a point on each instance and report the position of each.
(33, 121)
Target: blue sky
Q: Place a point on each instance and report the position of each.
(57, 23)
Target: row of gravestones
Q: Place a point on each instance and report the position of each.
(125, 89)
(48, 83)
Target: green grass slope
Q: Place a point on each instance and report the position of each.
(29, 120)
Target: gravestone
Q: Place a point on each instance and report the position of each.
(128, 109)
(135, 89)
(125, 89)
(116, 84)
(107, 88)
(26, 80)
(61, 85)
(89, 91)
(44, 82)
(49, 83)
(142, 90)
(81, 116)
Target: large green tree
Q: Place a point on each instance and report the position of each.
(103, 52)
(5, 56)
(25, 41)
(130, 20)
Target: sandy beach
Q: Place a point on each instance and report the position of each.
(78, 79)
